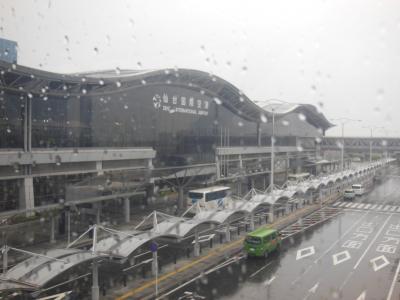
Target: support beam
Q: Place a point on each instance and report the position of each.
(228, 233)
(154, 264)
(52, 229)
(196, 243)
(95, 281)
(252, 221)
(127, 209)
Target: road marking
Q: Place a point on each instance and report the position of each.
(339, 239)
(393, 208)
(305, 252)
(349, 204)
(354, 205)
(336, 203)
(258, 271)
(311, 291)
(361, 205)
(373, 241)
(302, 274)
(346, 280)
(396, 275)
(386, 207)
(340, 257)
(376, 266)
(269, 281)
(367, 206)
(342, 204)
(379, 207)
(398, 209)
(362, 296)
(374, 206)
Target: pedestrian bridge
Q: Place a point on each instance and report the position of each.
(37, 271)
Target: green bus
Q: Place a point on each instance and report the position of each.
(262, 241)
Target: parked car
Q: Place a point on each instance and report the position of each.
(349, 194)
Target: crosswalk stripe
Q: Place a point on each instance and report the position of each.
(398, 209)
(367, 206)
(361, 206)
(353, 205)
(349, 204)
(386, 207)
(336, 203)
(393, 208)
(373, 206)
(379, 207)
(342, 204)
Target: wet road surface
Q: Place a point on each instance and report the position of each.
(352, 256)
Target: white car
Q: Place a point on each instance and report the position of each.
(358, 189)
(349, 194)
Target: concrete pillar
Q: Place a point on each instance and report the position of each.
(271, 214)
(228, 233)
(127, 209)
(98, 212)
(287, 209)
(252, 221)
(5, 260)
(95, 280)
(154, 264)
(196, 244)
(26, 195)
(52, 229)
(68, 215)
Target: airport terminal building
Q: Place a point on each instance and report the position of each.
(92, 138)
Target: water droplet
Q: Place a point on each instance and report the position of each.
(218, 101)
(285, 123)
(263, 118)
(13, 66)
(244, 68)
(101, 82)
(118, 84)
(299, 148)
(125, 106)
(143, 82)
(30, 96)
(84, 91)
(117, 70)
(8, 130)
(240, 124)
(96, 50)
(302, 117)
(139, 64)
(66, 39)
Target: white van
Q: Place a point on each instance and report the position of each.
(358, 189)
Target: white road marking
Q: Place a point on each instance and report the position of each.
(396, 275)
(379, 207)
(384, 262)
(314, 288)
(269, 281)
(362, 296)
(342, 204)
(307, 252)
(393, 208)
(367, 206)
(386, 207)
(339, 239)
(258, 271)
(355, 205)
(361, 205)
(340, 257)
(373, 241)
(336, 203)
(374, 206)
(349, 204)
(398, 209)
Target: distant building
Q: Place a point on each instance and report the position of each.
(8, 51)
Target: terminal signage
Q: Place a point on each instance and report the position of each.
(181, 104)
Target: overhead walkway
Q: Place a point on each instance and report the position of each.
(34, 273)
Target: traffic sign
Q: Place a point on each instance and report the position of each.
(153, 247)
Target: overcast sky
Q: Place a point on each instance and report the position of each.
(341, 55)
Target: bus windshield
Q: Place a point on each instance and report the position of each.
(216, 195)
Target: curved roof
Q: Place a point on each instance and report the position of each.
(312, 115)
(38, 82)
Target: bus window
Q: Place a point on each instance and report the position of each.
(215, 195)
(194, 195)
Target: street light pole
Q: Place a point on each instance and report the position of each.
(271, 177)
